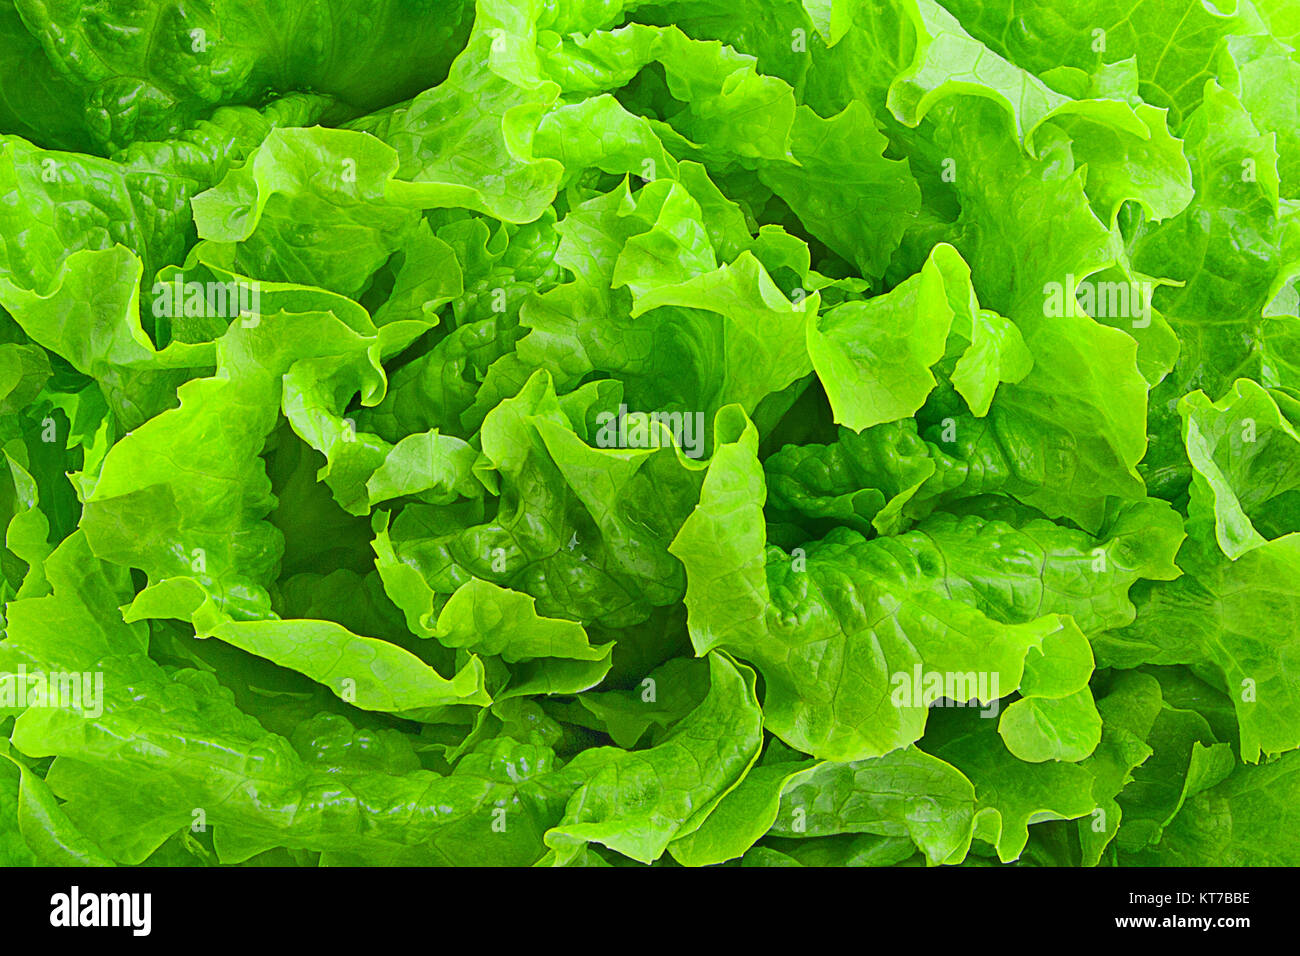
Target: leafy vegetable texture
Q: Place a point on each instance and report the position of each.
(675, 432)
